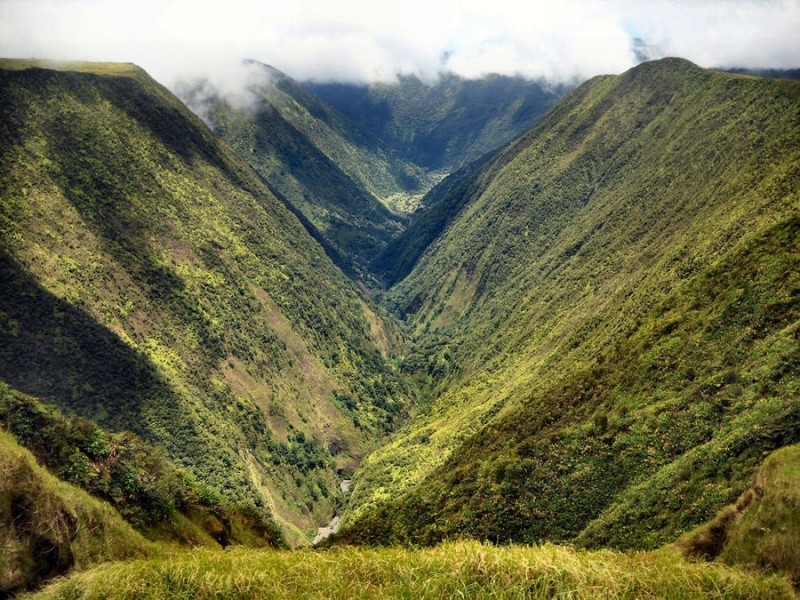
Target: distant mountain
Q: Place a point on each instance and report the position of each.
(152, 282)
(437, 209)
(445, 124)
(772, 73)
(352, 161)
(314, 161)
(606, 322)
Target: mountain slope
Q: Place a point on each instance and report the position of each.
(437, 209)
(309, 157)
(384, 174)
(50, 528)
(152, 282)
(609, 326)
(446, 124)
(159, 500)
(761, 529)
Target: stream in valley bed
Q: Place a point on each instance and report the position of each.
(333, 526)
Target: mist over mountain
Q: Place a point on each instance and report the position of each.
(356, 42)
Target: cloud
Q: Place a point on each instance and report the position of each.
(724, 33)
(355, 40)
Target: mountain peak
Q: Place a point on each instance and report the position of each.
(677, 70)
(273, 72)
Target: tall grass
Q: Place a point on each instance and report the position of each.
(762, 530)
(48, 527)
(451, 570)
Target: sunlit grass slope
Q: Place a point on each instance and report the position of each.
(762, 529)
(152, 282)
(96, 68)
(609, 328)
(453, 570)
(49, 528)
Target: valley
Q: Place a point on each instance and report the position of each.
(487, 336)
(355, 161)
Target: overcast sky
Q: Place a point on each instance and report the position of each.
(355, 40)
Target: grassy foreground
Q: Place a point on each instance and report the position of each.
(454, 569)
(48, 527)
(762, 529)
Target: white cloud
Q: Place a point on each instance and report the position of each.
(724, 33)
(357, 40)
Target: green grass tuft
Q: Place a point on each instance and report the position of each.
(762, 529)
(453, 570)
(49, 528)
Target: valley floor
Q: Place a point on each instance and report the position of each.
(451, 570)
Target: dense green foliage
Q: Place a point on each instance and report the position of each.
(453, 570)
(445, 124)
(762, 529)
(48, 528)
(153, 283)
(300, 147)
(134, 477)
(437, 209)
(610, 324)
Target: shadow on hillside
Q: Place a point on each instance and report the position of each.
(52, 349)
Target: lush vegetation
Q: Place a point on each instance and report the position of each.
(48, 528)
(135, 478)
(462, 569)
(437, 209)
(608, 327)
(152, 283)
(762, 529)
(602, 320)
(445, 124)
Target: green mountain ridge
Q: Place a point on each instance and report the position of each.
(609, 325)
(437, 210)
(152, 282)
(595, 337)
(312, 160)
